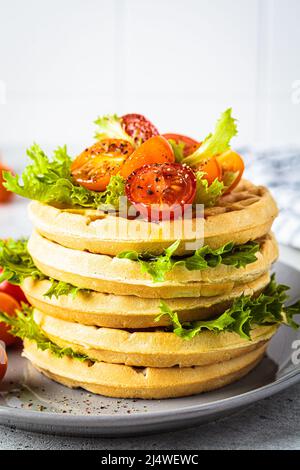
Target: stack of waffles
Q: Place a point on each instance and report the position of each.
(116, 320)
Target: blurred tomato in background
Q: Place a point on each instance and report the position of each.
(3, 361)
(5, 196)
(8, 305)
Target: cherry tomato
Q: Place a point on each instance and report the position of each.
(7, 305)
(155, 150)
(138, 127)
(15, 291)
(232, 167)
(212, 169)
(5, 196)
(96, 164)
(160, 191)
(3, 362)
(190, 145)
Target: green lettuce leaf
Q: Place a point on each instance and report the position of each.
(115, 189)
(229, 254)
(216, 143)
(51, 182)
(177, 149)
(17, 265)
(157, 266)
(110, 127)
(245, 313)
(23, 326)
(207, 194)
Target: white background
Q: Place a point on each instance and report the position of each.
(180, 62)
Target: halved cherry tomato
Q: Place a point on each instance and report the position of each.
(96, 164)
(3, 362)
(155, 150)
(5, 196)
(232, 166)
(160, 191)
(190, 145)
(138, 127)
(10, 289)
(7, 305)
(212, 169)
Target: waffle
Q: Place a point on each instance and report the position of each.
(245, 214)
(125, 311)
(149, 348)
(105, 274)
(116, 380)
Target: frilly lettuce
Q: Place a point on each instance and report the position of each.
(207, 194)
(216, 143)
(110, 126)
(17, 265)
(245, 313)
(51, 182)
(205, 257)
(23, 326)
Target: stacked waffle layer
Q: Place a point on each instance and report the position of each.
(114, 320)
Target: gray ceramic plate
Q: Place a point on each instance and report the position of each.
(30, 401)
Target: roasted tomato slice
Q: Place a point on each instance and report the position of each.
(232, 167)
(212, 169)
(155, 150)
(138, 127)
(7, 305)
(3, 362)
(160, 191)
(96, 164)
(190, 145)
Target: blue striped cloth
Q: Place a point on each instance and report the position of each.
(280, 171)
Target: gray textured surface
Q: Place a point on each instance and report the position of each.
(269, 424)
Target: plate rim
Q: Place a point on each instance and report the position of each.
(225, 404)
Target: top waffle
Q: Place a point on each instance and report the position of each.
(247, 213)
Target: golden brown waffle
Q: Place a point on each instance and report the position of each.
(116, 276)
(245, 214)
(127, 311)
(156, 348)
(115, 380)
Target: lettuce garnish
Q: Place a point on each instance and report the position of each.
(23, 326)
(245, 313)
(229, 254)
(17, 265)
(207, 194)
(178, 149)
(50, 182)
(216, 143)
(110, 127)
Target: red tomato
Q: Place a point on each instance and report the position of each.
(3, 362)
(7, 305)
(15, 291)
(190, 145)
(212, 169)
(160, 191)
(5, 196)
(138, 127)
(96, 164)
(232, 167)
(155, 150)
